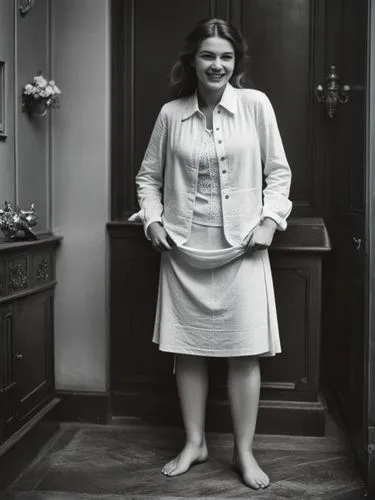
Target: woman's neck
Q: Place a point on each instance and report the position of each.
(208, 99)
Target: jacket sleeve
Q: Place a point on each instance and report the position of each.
(149, 180)
(276, 203)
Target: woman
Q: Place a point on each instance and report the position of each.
(203, 204)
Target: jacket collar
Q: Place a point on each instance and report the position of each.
(228, 101)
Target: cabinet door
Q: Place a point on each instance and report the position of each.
(33, 353)
(7, 376)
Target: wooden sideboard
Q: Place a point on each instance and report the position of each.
(142, 383)
(27, 283)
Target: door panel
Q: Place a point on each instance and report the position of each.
(154, 33)
(33, 376)
(282, 37)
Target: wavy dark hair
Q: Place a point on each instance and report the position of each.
(183, 79)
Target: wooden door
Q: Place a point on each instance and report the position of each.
(347, 274)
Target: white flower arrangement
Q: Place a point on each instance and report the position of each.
(41, 90)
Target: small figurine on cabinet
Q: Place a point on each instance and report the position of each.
(12, 221)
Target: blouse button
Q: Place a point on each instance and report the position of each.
(217, 128)
(223, 171)
(226, 196)
(222, 158)
(220, 142)
(219, 111)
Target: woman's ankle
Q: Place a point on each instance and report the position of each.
(196, 441)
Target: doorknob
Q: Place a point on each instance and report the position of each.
(358, 242)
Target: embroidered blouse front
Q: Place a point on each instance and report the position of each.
(208, 208)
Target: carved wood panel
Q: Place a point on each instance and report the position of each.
(33, 352)
(136, 360)
(27, 272)
(18, 274)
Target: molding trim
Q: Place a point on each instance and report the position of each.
(149, 405)
(90, 407)
(274, 417)
(370, 237)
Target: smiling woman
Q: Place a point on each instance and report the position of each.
(202, 204)
(214, 63)
(183, 74)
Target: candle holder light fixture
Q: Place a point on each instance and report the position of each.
(332, 93)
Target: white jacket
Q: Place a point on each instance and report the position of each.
(247, 143)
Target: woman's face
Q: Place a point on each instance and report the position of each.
(214, 63)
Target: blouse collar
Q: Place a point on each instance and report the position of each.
(228, 101)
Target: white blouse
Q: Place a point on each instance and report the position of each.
(247, 146)
(207, 208)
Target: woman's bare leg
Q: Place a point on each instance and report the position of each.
(192, 383)
(244, 389)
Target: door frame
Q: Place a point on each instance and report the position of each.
(370, 238)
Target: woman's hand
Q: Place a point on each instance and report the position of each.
(160, 239)
(263, 235)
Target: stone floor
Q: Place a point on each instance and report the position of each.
(94, 462)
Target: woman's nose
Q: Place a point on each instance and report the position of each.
(216, 63)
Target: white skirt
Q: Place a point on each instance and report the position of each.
(216, 300)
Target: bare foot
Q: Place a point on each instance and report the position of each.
(252, 475)
(190, 455)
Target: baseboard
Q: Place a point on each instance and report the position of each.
(161, 407)
(90, 407)
(274, 417)
(17, 453)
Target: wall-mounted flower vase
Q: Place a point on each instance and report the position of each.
(40, 95)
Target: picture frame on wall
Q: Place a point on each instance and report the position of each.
(2, 100)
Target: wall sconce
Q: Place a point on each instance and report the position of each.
(332, 94)
(25, 6)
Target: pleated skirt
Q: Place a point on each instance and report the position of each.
(216, 300)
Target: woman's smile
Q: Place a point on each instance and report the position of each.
(215, 77)
(214, 63)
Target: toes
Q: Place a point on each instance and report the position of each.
(256, 481)
(171, 471)
(263, 482)
(168, 469)
(175, 472)
(251, 482)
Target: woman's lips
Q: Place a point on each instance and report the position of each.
(215, 77)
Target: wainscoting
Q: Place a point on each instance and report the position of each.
(142, 382)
